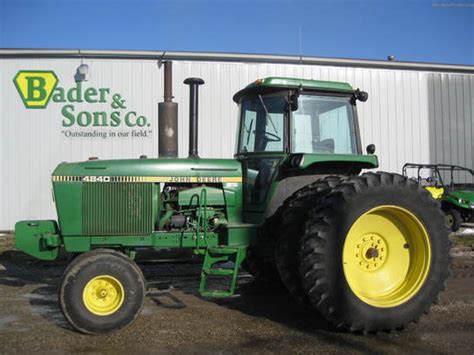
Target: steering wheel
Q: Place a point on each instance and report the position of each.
(270, 137)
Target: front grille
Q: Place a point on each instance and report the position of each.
(117, 208)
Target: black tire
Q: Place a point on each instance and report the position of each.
(85, 268)
(327, 228)
(294, 212)
(263, 270)
(259, 261)
(453, 219)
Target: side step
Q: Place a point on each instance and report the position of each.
(217, 255)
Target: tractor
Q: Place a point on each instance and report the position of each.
(457, 199)
(368, 251)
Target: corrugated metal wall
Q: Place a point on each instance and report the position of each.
(451, 112)
(31, 140)
(410, 116)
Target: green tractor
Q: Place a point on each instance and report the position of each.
(457, 199)
(369, 252)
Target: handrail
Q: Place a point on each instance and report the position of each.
(202, 220)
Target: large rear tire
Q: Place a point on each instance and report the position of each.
(260, 261)
(294, 212)
(375, 253)
(101, 291)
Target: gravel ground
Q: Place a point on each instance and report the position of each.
(176, 320)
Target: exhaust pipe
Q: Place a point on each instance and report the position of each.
(168, 118)
(193, 114)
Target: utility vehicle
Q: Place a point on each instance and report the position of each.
(368, 251)
(457, 199)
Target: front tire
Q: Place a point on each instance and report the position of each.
(101, 291)
(375, 253)
(453, 219)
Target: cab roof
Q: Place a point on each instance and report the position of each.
(271, 83)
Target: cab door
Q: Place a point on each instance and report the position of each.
(262, 148)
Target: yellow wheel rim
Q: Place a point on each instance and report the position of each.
(103, 295)
(386, 256)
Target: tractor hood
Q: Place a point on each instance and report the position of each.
(172, 168)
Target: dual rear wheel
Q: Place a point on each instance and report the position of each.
(369, 253)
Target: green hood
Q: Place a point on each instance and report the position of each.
(467, 195)
(152, 167)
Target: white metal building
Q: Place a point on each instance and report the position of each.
(416, 112)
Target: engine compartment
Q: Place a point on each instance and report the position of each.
(191, 207)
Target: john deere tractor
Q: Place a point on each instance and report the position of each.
(369, 251)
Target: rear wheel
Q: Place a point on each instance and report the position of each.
(294, 212)
(259, 261)
(375, 253)
(261, 268)
(101, 291)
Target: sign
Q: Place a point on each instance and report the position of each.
(38, 88)
(35, 87)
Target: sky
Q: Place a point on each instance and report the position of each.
(439, 31)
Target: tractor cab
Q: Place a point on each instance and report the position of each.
(296, 127)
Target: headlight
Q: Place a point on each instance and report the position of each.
(463, 202)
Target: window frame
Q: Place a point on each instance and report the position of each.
(288, 120)
(284, 94)
(354, 127)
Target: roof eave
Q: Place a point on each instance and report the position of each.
(234, 57)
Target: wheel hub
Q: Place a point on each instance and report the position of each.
(371, 252)
(386, 256)
(103, 295)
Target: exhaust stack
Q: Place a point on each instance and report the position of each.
(168, 118)
(193, 114)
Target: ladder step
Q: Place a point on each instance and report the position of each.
(219, 255)
(219, 272)
(224, 250)
(216, 293)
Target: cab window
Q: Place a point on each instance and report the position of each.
(323, 125)
(262, 129)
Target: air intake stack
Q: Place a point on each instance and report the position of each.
(193, 114)
(168, 118)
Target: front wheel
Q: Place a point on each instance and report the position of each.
(101, 291)
(375, 253)
(453, 219)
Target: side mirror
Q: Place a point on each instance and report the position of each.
(293, 102)
(361, 95)
(370, 149)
